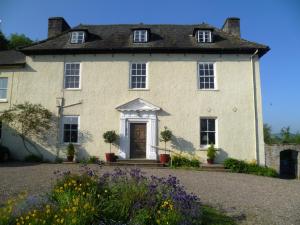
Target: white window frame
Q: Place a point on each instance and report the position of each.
(130, 76)
(137, 36)
(202, 33)
(63, 128)
(216, 131)
(6, 89)
(65, 68)
(214, 76)
(75, 37)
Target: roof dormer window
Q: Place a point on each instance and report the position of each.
(203, 36)
(78, 37)
(140, 36)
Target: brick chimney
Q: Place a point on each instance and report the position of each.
(56, 25)
(232, 26)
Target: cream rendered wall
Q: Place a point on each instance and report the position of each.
(172, 86)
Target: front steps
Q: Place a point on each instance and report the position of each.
(136, 163)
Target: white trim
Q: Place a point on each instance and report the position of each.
(137, 36)
(216, 131)
(147, 75)
(62, 129)
(6, 89)
(128, 117)
(215, 76)
(80, 71)
(74, 37)
(203, 33)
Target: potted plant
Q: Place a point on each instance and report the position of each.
(70, 152)
(110, 137)
(165, 136)
(211, 154)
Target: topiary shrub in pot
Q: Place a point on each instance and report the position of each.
(211, 154)
(165, 136)
(110, 137)
(70, 152)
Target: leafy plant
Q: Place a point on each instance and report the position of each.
(180, 161)
(70, 150)
(110, 137)
(165, 136)
(240, 166)
(28, 120)
(211, 152)
(93, 159)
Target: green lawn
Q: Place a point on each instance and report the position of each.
(212, 216)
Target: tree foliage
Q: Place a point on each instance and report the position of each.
(3, 42)
(165, 136)
(18, 40)
(110, 137)
(28, 120)
(285, 136)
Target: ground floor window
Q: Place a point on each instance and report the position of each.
(207, 131)
(70, 129)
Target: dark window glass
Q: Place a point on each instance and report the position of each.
(207, 131)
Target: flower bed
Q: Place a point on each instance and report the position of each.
(240, 166)
(120, 197)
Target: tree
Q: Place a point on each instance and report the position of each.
(110, 137)
(267, 134)
(18, 40)
(165, 136)
(3, 42)
(286, 135)
(28, 120)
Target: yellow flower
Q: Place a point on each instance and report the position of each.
(48, 211)
(18, 224)
(74, 220)
(62, 220)
(83, 193)
(27, 218)
(55, 216)
(74, 209)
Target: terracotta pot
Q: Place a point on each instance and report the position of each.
(110, 157)
(210, 161)
(164, 158)
(70, 158)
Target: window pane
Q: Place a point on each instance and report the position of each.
(3, 94)
(211, 124)
(211, 138)
(67, 136)
(203, 138)
(3, 82)
(204, 125)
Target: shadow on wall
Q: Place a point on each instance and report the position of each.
(182, 145)
(45, 144)
(221, 155)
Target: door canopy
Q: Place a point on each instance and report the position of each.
(137, 105)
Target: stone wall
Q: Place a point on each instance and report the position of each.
(272, 153)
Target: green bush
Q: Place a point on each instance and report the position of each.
(93, 159)
(240, 166)
(211, 152)
(180, 161)
(33, 158)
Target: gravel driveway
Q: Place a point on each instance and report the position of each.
(250, 199)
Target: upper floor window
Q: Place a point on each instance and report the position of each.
(72, 76)
(138, 75)
(70, 129)
(204, 36)
(140, 36)
(207, 131)
(3, 88)
(77, 37)
(206, 74)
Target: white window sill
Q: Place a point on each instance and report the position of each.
(208, 89)
(67, 143)
(72, 89)
(205, 147)
(138, 89)
(3, 100)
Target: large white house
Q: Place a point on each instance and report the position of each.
(202, 82)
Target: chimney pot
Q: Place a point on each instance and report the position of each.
(56, 25)
(232, 26)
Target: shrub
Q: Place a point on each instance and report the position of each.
(93, 159)
(180, 161)
(211, 152)
(33, 158)
(121, 197)
(165, 136)
(70, 150)
(240, 166)
(110, 137)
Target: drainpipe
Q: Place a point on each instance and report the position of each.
(255, 106)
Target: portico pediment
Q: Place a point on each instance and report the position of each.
(137, 105)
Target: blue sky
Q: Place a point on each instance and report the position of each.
(272, 22)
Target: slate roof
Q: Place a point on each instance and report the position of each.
(12, 58)
(163, 39)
